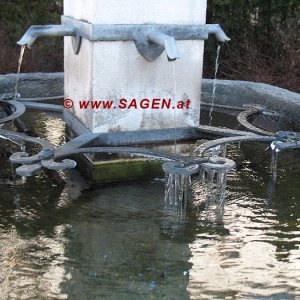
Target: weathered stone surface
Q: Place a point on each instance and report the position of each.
(137, 12)
(34, 84)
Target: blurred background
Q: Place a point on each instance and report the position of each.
(265, 45)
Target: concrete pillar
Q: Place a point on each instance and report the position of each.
(113, 70)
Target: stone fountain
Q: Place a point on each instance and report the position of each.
(117, 238)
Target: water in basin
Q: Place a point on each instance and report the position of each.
(113, 242)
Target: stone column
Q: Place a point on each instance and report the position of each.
(112, 70)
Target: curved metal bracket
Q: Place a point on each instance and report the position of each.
(30, 164)
(200, 150)
(179, 168)
(246, 114)
(219, 163)
(286, 140)
(15, 107)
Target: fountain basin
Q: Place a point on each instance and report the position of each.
(238, 93)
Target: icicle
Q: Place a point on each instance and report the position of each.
(213, 180)
(274, 163)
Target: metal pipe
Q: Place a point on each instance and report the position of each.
(167, 42)
(218, 32)
(37, 31)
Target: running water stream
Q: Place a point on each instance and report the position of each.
(174, 108)
(19, 70)
(20, 144)
(215, 83)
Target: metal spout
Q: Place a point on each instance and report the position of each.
(45, 30)
(167, 42)
(218, 32)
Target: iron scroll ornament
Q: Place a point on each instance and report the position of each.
(53, 158)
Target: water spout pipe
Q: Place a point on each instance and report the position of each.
(37, 31)
(218, 32)
(167, 42)
(150, 39)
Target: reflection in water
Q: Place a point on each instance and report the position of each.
(32, 266)
(113, 242)
(271, 188)
(121, 249)
(257, 256)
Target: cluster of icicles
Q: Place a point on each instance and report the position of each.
(210, 180)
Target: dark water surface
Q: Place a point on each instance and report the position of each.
(114, 242)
